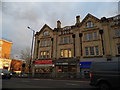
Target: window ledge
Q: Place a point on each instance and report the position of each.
(118, 55)
(65, 57)
(44, 37)
(116, 37)
(90, 27)
(66, 34)
(66, 44)
(44, 59)
(44, 46)
(92, 56)
(91, 40)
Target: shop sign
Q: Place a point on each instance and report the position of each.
(43, 65)
(85, 64)
(72, 63)
(61, 63)
(43, 61)
(59, 70)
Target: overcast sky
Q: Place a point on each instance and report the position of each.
(16, 16)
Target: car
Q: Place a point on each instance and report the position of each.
(105, 75)
(5, 74)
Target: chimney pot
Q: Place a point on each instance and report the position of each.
(77, 19)
(58, 24)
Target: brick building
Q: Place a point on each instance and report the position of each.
(5, 51)
(73, 48)
(5, 48)
(16, 65)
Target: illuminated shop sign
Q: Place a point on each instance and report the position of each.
(43, 65)
(43, 61)
(85, 64)
(61, 63)
(5, 63)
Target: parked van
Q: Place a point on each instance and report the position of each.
(105, 75)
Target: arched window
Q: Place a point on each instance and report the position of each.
(90, 24)
(46, 33)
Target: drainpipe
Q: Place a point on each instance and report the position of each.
(80, 35)
(101, 34)
(73, 36)
(52, 48)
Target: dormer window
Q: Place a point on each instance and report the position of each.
(89, 24)
(46, 33)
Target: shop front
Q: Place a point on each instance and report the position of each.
(16, 66)
(85, 68)
(44, 65)
(66, 65)
(5, 63)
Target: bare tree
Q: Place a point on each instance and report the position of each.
(25, 55)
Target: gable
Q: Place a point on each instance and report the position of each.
(88, 18)
(45, 28)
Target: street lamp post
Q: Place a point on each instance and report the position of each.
(31, 49)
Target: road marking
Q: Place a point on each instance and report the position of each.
(25, 81)
(36, 79)
(72, 84)
(72, 81)
(80, 81)
(62, 80)
(42, 79)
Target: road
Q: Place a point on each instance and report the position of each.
(43, 83)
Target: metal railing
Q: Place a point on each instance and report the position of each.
(54, 75)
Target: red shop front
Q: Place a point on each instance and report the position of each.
(43, 65)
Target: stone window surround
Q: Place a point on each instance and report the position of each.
(69, 53)
(96, 52)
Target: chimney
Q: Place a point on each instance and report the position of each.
(77, 19)
(58, 24)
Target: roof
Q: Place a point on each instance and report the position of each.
(87, 16)
(5, 39)
(43, 29)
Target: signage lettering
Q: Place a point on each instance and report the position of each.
(43, 61)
